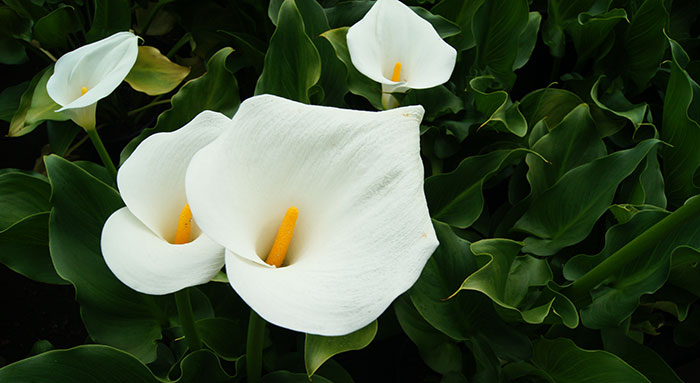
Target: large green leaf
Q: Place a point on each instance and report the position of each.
(548, 104)
(613, 101)
(465, 315)
(528, 39)
(619, 296)
(104, 364)
(35, 106)
(456, 198)
(111, 16)
(497, 26)
(226, 337)
(564, 362)
(572, 143)
(437, 350)
(113, 313)
(581, 196)
(12, 28)
(496, 105)
(292, 63)
(645, 42)
(591, 33)
(318, 349)
(518, 282)
(52, 30)
(462, 13)
(357, 83)
(216, 90)
(560, 14)
(681, 129)
(154, 74)
(638, 356)
(24, 232)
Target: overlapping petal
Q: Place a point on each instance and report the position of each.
(391, 32)
(99, 67)
(137, 240)
(363, 234)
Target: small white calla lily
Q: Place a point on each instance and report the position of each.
(86, 75)
(353, 183)
(399, 49)
(151, 245)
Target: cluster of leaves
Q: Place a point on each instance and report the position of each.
(568, 129)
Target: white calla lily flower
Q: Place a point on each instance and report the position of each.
(152, 245)
(399, 49)
(86, 75)
(351, 184)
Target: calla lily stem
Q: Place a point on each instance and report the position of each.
(184, 310)
(152, 104)
(579, 291)
(102, 151)
(254, 347)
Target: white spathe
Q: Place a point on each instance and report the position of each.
(391, 32)
(98, 67)
(136, 240)
(363, 234)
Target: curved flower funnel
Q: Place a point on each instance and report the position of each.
(399, 49)
(152, 245)
(86, 75)
(356, 231)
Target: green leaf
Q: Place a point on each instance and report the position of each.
(357, 83)
(437, 101)
(685, 272)
(35, 106)
(640, 357)
(548, 104)
(563, 362)
(528, 39)
(645, 42)
(113, 313)
(618, 297)
(24, 233)
(292, 63)
(591, 32)
(681, 129)
(467, 314)
(560, 14)
(111, 16)
(500, 111)
(102, 364)
(572, 143)
(437, 350)
(518, 282)
(61, 135)
(154, 73)
(226, 337)
(12, 28)
(593, 186)
(216, 90)
(497, 27)
(318, 349)
(456, 198)
(614, 101)
(52, 30)
(9, 100)
(461, 13)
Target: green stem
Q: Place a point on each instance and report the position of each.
(580, 289)
(102, 151)
(152, 104)
(183, 40)
(184, 310)
(254, 347)
(435, 165)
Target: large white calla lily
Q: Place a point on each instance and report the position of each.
(86, 75)
(399, 49)
(152, 245)
(353, 183)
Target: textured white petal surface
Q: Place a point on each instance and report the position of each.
(100, 67)
(147, 263)
(363, 234)
(391, 32)
(152, 180)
